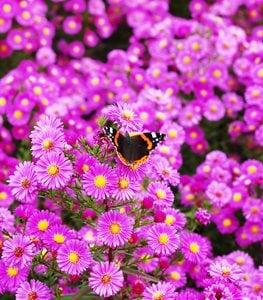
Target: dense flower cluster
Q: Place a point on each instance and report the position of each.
(74, 219)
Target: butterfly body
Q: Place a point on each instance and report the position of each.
(133, 149)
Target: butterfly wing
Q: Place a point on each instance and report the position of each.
(133, 150)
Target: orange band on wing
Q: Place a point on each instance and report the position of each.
(116, 137)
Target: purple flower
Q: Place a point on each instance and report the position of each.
(106, 279)
(161, 290)
(163, 239)
(114, 228)
(18, 251)
(23, 183)
(46, 141)
(222, 270)
(12, 277)
(98, 182)
(39, 222)
(194, 247)
(218, 193)
(203, 216)
(161, 194)
(33, 289)
(74, 257)
(53, 170)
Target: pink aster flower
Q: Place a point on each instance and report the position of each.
(114, 228)
(161, 194)
(176, 275)
(124, 116)
(194, 247)
(203, 216)
(226, 291)
(39, 222)
(99, 181)
(106, 279)
(164, 171)
(18, 251)
(226, 221)
(7, 220)
(214, 109)
(146, 260)
(33, 289)
(6, 197)
(47, 141)
(53, 171)
(125, 188)
(23, 182)
(218, 193)
(224, 271)
(57, 235)
(161, 290)
(163, 239)
(12, 277)
(174, 218)
(74, 257)
(48, 122)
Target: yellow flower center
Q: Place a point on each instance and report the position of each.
(73, 257)
(18, 114)
(257, 287)
(118, 83)
(53, 170)
(26, 15)
(47, 144)
(72, 24)
(213, 108)
(225, 271)
(175, 275)
(193, 135)
(172, 133)
(160, 194)
(17, 39)
(252, 169)
(195, 46)
(115, 228)
(95, 81)
(194, 247)
(2, 101)
(59, 238)
(43, 225)
(24, 102)
(237, 197)
(127, 115)
(169, 220)
(227, 222)
(255, 229)
(12, 272)
(3, 195)
(85, 168)
(260, 73)
(163, 238)
(240, 260)
(7, 8)
(158, 295)
(217, 73)
(100, 181)
(186, 60)
(106, 279)
(123, 183)
(138, 77)
(37, 90)
(156, 73)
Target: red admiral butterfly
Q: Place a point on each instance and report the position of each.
(133, 149)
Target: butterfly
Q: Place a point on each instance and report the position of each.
(133, 149)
